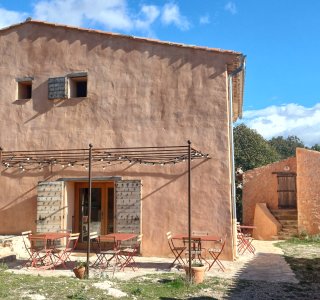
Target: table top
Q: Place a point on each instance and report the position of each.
(121, 236)
(204, 238)
(51, 235)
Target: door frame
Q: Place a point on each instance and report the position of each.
(104, 185)
(293, 191)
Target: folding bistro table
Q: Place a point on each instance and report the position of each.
(196, 242)
(115, 239)
(42, 248)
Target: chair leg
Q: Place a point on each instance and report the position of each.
(178, 257)
(216, 260)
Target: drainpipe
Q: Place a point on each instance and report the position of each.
(233, 176)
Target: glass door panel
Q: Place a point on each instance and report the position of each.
(96, 211)
(110, 219)
(102, 209)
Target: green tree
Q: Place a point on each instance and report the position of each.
(251, 150)
(316, 147)
(286, 147)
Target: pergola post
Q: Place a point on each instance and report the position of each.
(189, 208)
(89, 208)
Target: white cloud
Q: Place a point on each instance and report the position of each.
(111, 14)
(108, 14)
(231, 7)
(171, 15)
(289, 119)
(204, 19)
(9, 17)
(150, 14)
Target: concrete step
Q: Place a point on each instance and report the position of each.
(289, 222)
(284, 237)
(281, 237)
(290, 227)
(284, 212)
(287, 233)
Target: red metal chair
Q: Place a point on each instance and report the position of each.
(176, 251)
(216, 251)
(63, 255)
(244, 242)
(129, 253)
(25, 239)
(41, 256)
(107, 252)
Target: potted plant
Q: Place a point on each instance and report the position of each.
(197, 272)
(80, 269)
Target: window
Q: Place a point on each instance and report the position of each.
(78, 85)
(24, 88)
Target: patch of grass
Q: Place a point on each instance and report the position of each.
(303, 256)
(172, 286)
(156, 286)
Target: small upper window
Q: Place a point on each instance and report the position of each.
(24, 88)
(78, 85)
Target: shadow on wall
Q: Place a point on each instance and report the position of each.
(112, 47)
(14, 212)
(42, 107)
(79, 174)
(13, 215)
(117, 42)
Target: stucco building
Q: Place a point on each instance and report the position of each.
(64, 87)
(282, 199)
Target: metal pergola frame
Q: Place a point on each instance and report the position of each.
(103, 157)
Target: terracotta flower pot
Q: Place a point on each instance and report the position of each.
(79, 272)
(197, 273)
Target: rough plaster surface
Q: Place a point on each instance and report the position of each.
(139, 94)
(308, 190)
(266, 224)
(260, 186)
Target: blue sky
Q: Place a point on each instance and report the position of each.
(281, 39)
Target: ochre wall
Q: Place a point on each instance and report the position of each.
(139, 94)
(266, 225)
(260, 186)
(308, 190)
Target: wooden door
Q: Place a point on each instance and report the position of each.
(102, 209)
(287, 195)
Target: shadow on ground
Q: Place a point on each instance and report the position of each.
(307, 271)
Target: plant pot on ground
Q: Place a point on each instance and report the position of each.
(197, 272)
(80, 270)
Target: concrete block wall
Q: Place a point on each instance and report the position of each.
(128, 206)
(49, 206)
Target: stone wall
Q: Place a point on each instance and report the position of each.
(260, 186)
(308, 191)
